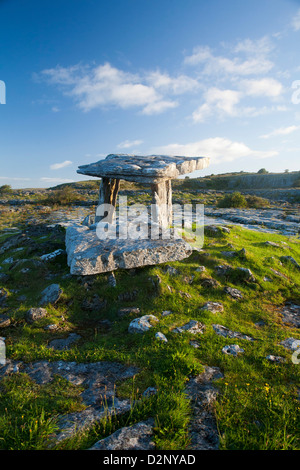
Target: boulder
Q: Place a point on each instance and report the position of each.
(214, 307)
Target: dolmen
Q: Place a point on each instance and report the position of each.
(131, 236)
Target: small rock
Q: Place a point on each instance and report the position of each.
(232, 349)
(195, 344)
(213, 307)
(35, 314)
(96, 303)
(201, 269)
(128, 296)
(291, 343)
(267, 279)
(268, 243)
(52, 327)
(4, 321)
(291, 260)
(210, 283)
(223, 269)
(161, 337)
(122, 312)
(50, 256)
(3, 295)
(223, 331)
(277, 359)
(171, 270)
(51, 294)
(112, 280)
(246, 274)
(136, 437)
(142, 324)
(194, 327)
(63, 344)
(234, 293)
(150, 391)
(165, 313)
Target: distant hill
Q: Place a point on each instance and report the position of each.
(229, 181)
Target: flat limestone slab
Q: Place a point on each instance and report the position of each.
(145, 169)
(88, 255)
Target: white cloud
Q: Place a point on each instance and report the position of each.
(296, 21)
(129, 143)
(281, 131)
(254, 63)
(58, 166)
(219, 149)
(174, 85)
(221, 101)
(105, 85)
(268, 87)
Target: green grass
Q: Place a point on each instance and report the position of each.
(257, 407)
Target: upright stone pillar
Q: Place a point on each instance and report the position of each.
(162, 201)
(109, 188)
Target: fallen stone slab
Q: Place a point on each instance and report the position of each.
(136, 437)
(87, 254)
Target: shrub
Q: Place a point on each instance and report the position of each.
(235, 199)
(62, 196)
(5, 188)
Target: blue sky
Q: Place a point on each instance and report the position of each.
(86, 78)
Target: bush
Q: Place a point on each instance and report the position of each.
(5, 188)
(62, 196)
(233, 200)
(257, 202)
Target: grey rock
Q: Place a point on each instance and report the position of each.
(194, 327)
(142, 324)
(64, 344)
(35, 314)
(232, 349)
(95, 303)
(202, 393)
(234, 293)
(150, 391)
(161, 337)
(291, 343)
(291, 314)
(209, 283)
(223, 331)
(136, 437)
(291, 260)
(52, 255)
(50, 295)
(112, 280)
(214, 307)
(128, 310)
(201, 269)
(4, 321)
(276, 359)
(3, 296)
